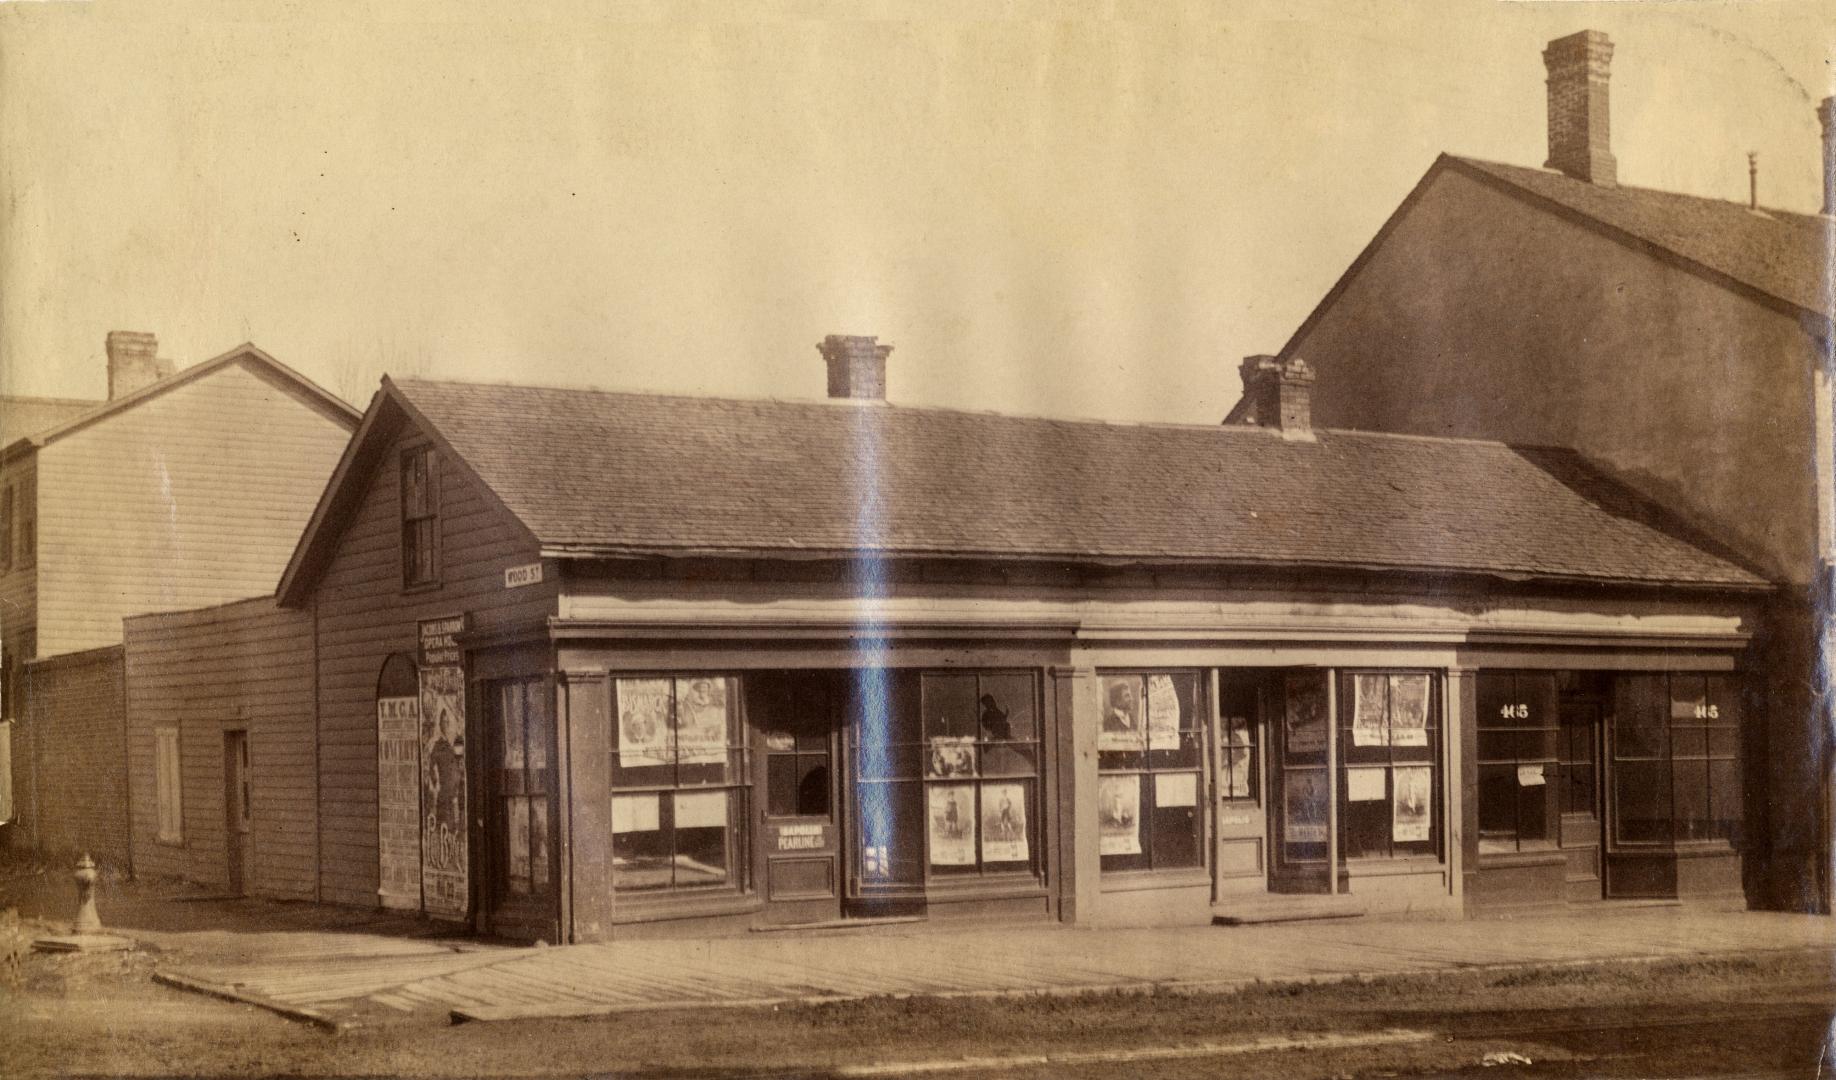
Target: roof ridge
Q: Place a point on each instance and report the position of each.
(1732, 204)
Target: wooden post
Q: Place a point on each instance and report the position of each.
(584, 803)
(1078, 716)
(1332, 781)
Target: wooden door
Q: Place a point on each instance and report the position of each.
(1239, 810)
(520, 782)
(1578, 771)
(238, 807)
(1299, 704)
(797, 819)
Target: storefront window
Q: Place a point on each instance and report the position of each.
(679, 805)
(1390, 752)
(1520, 788)
(1149, 751)
(521, 774)
(1676, 760)
(949, 776)
(1238, 770)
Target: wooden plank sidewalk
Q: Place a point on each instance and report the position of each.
(747, 970)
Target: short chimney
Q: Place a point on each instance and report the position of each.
(1826, 113)
(1580, 137)
(857, 366)
(1279, 394)
(133, 362)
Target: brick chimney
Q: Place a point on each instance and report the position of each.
(1826, 113)
(857, 366)
(133, 362)
(1279, 394)
(1580, 138)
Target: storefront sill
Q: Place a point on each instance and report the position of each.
(1141, 882)
(964, 891)
(1394, 867)
(1499, 860)
(685, 908)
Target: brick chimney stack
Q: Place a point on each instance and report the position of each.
(1280, 395)
(857, 366)
(133, 362)
(1580, 137)
(1826, 112)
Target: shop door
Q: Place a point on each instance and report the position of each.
(794, 720)
(519, 772)
(1237, 785)
(1578, 768)
(1298, 706)
(238, 823)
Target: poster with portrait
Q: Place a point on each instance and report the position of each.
(444, 882)
(1004, 823)
(1303, 809)
(701, 720)
(1412, 802)
(1305, 718)
(1119, 815)
(1237, 762)
(644, 723)
(1162, 713)
(950, 755)
(1370, 702)
(1408, 710)
(1124, 729)
(951, 813)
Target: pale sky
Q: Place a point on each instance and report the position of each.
(1070, 209)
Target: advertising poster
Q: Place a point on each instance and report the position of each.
(644, 723)
(635, 813)
(1237, 772)
(951, 755)
(444, 884)
(1530, 775)
(1175, 789)
(1003, 823)
(1369, 724)
(701, 721)
(1123, 729)
(1409, 710)
(1119, 815)
(1162, 713)
(1303, 816)
(701, 809)
(952, 822)
(1305, 722)
(1364, 785)
(1410, 820)
(398, 801)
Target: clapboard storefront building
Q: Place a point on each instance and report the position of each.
(592, 664)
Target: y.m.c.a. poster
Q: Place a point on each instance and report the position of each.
(443, 834)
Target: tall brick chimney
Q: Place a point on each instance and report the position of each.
(857, 366)
(1580, 137)
(1279, 394)
(133, 362)
(1826, 112)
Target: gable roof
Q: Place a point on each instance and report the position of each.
(620, 474)
(335, 406)
(21, 416)
(1775, 253)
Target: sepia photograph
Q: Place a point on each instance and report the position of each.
(1002, 539)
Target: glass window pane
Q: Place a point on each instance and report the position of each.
(703, 729)
(1124, 725)
(538, 844)
(537, 731)
(1688, 741)
(646, 722)
(1006, 826)
(516, 831)
(1689, 699)
(1124, 814)
(1725, 799)
(510, 709)
(1238, 779)
(1535, 815)
(1639, 723)
(1006, 708)
(950, 706)
(1497, 695)
(1365, 829)
(1690, 797)
(1642, 797)
(781, 785)
(701, 820)
(1498, 804)
(1009, 759)
(641, 855)
(892, 833)
(950, 814)
(1304, 718)
(812, 785)
(1175, 832)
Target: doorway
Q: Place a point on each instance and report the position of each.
(795, 719)
(238, 801)
(1583, 726)
(1299, 706)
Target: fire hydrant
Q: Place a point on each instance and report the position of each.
(87, 921)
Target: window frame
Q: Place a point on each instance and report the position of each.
(412, 539)
(1431, 756)
(9, 502)
(1720, 691)
(531, 783)
(25, 511)
(736, 783)
(1194, 724)
(169, 784)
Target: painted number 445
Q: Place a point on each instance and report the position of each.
(1707, 712)
(1519, 711)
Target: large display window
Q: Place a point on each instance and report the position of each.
(679, 784)
(1389, 765)
(1150, 749)
(1520, 786)
(948, 767)
(1676, 760)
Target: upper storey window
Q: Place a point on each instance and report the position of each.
(420, 518)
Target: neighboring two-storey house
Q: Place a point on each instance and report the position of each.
(182, 489)
(1682, 342)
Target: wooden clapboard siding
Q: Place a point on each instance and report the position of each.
(189, 497)
(364, 615)
(19, 583)
(245, 665)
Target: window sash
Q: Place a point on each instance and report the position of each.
(168, 790)
(1168, 835)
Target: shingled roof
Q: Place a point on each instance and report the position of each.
(590, 472)
(1777, 253)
